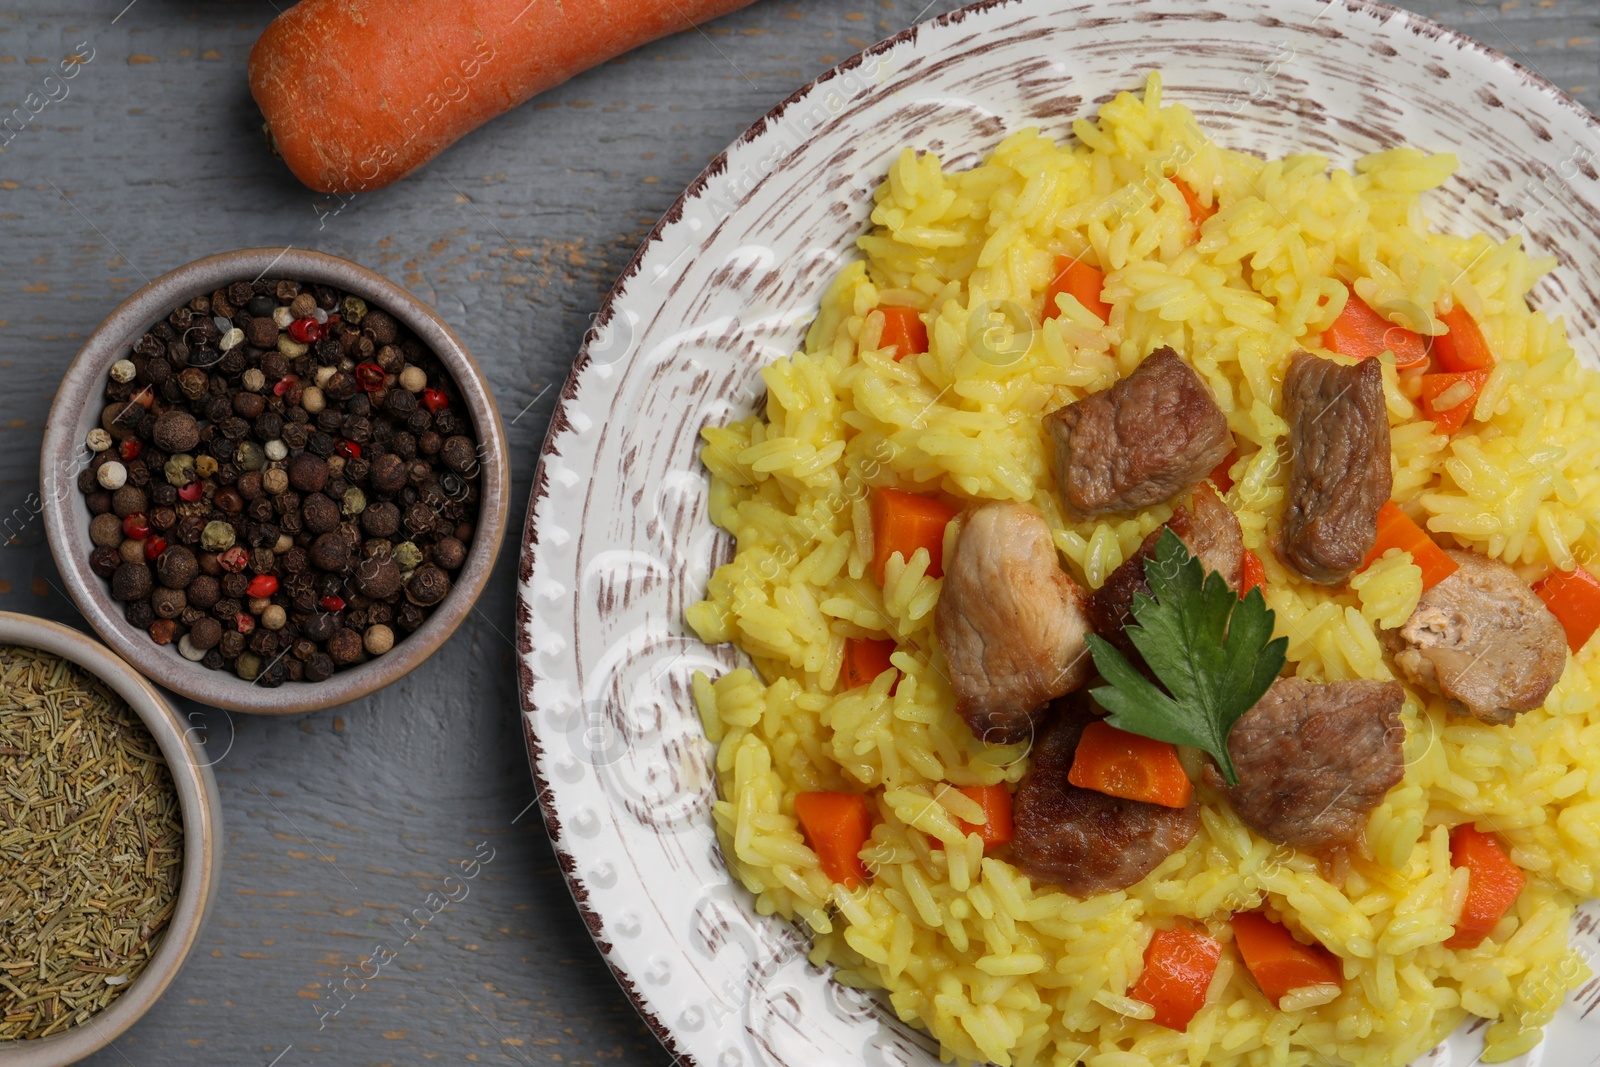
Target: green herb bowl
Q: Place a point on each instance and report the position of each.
(201, 809)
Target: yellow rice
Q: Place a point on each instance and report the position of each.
(993, 966)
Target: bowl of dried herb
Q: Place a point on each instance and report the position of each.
(110, 843)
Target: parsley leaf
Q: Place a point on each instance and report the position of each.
(1214, 653)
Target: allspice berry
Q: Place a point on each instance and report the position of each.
(168, 603)
(331, 552)
(105, 531)
(176, 431)
(388, 473)
(378, 578)
(177, 567)
(320, 513)
(458, 453)
(204, 591)
(308, 473)
(381, 519)
(131, 581)
(428, 586)
(129, 499)
(206, 633)
(345, 647)
(449, 553)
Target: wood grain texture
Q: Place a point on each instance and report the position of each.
(341, 823)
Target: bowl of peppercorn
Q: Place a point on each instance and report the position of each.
(274, 481)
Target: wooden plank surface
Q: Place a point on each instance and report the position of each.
(342, 822)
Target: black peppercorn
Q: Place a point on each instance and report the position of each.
(329, 419)
(408, 616)
(321, 625)
(273, 674)
(227, 609)
(387, 473)
(231, 643)
(104, 561)
(234, 585)
(340, 386)
(319, 668)
(99, 502)
(162, 519)
(320, 444)
(140, 615)
(268, 426)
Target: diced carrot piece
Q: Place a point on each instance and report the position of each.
(1573, 597)
(1448, 399)
(1362, 333)
(864, 659)
(1122, 764)
(1252, 572)
(1396, 530)
(1198, 212)
(1463, 348)
(836, 826)
(1178, 967)
(1277, 961)
(903, 332)
(995, 800)
(1221, 478)
(904, 522)
(1493, 883)
(1081, 280)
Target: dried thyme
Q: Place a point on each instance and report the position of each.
(91, 844)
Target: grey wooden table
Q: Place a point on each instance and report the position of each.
(341, 822)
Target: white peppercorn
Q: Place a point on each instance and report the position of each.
(232, 339)
(112, 475)
(98, 440)
(282, 316)
(254, 380)
(413, 380)
(276, 450)
(123, 370)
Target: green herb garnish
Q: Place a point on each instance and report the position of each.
(1214, 652)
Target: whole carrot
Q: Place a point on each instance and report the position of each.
(359, 93)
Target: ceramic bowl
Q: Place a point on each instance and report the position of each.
(618, 541)
(77, 409)
(202, 841)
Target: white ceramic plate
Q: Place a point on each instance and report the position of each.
(618, 544)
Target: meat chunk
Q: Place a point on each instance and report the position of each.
(1207, 527)
(1338, 465)
(1146, 439)
(1081, 840)
(1314, 759)
(1010, 622)
(1482, 639)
